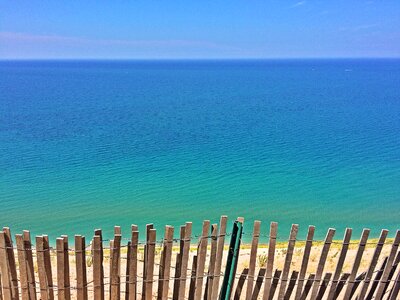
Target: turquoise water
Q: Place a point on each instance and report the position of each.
(87, 144)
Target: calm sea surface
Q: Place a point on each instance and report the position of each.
(87, 144)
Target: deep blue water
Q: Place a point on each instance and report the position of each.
(87, 144)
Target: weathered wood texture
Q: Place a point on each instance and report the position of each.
(273, 266)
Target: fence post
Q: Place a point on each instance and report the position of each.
(288, 261)
(304, 262)
(12, 264)
(253, 258)
(98, 291)
(132, 264)
(80, 263)
(201, 255)
(270, 263)
(5, 271)
(232, 261)
(29, 265)
(60, 270)
(22, 267)
(321, 263)
(148, 280)
(218, 258)
(211, 265)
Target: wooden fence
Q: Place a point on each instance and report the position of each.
(175, 268)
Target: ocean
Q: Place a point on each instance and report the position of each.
(93, 144)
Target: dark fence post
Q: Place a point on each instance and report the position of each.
(231, 263)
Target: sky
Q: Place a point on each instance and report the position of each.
(198, 29)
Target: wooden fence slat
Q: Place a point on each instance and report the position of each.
(23, 275)
(288, 260)
(357, 282)
(341, 283)
(292, 283)
(128, 264)
(11, 263)
(259, 281)
(324, 285)
(40, 248)
(392, 271)
(372, 265)
(356, 263)
(178, 263)
(240, 284)
(270, 262)
(132, 264)
(376, 280)
(29, 264)
(321, 263)
(211, 265)
(184, 261)
(307, 286)
(67, 292)
(304, 262)
(98, 292)
(275, 282)
(192, 284)
(161, 270)
(148, 228)
(253, 259)
(388, 266)
(4, 268)
(340, 262)
(218, 257)
(1, 288)
(118, 231)
(80, 261)
(151, 246)
(47, 265)
(99, 233)
(176, 276)
(201, 260)
(115, 281)
(166, 263)
(111, 263)
(60, 269)
(396, 288)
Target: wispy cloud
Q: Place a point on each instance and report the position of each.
(70, 40)
(300, 3)
(359, 27)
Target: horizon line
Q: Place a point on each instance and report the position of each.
(195, 59)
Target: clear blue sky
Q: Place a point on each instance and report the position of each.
(199, 29)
